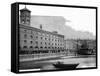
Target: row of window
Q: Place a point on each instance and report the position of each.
(40, 34)
(25, 41)
(37, 52)
(44, 47)
(31, 36)
(32, 52)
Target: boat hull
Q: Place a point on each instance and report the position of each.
(66, 66)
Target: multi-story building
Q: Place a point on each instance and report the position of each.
(37, 42)
(73, 46)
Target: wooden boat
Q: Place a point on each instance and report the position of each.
(61, 65)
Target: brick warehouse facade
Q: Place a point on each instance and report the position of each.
(38, 43)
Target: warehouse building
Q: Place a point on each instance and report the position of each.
(36, 42)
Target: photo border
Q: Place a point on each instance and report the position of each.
(51, 5)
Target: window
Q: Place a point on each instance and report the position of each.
(25, 41)
(36, 42)
(41, 38)
(36, 46)
(41, 47)
(28, 20)
(45, 38)
(31, 46)
(31, 36)
(25, 35)
(24, 30)
(31, 42)
(45, 43)
(41, 42)
(24, 46)
(45, 47)
(36, 36)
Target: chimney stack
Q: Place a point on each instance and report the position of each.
(41, 26)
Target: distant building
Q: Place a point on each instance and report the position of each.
(71, 47)
(38, 42)
(89, 44)
(75, 45)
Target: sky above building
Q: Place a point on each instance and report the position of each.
(79, 19)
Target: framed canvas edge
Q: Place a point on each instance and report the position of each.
(16, 69)
(14, 37)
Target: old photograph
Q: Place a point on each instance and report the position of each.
(56, 38)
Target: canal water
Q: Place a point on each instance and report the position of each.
(84, 62)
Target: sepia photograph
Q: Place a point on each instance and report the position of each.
(56, 38)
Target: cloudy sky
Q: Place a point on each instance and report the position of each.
(79, 19)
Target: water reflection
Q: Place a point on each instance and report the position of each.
(83, 62)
